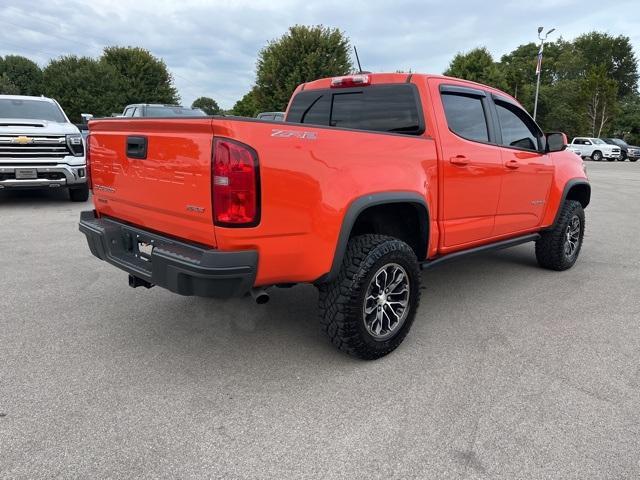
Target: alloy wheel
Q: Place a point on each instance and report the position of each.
(386, 301)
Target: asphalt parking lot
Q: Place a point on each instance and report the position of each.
(510, 371)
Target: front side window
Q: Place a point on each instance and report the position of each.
(379, 108)
(465, 116)
(518, 129)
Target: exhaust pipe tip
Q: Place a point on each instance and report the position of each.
(260, 295)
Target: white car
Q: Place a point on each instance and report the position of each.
(595, 148)
(40, 147)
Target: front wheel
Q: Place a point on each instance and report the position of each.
(596, 156)
(368, 310)
(558, 248)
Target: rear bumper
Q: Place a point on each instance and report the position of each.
(180, 267)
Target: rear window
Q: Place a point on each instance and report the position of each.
(379, 108)
(30, 109)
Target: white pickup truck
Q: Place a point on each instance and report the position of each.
(595, 148)
(40, 147)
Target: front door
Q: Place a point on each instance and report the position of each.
(527, 170)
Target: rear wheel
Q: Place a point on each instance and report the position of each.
(596, 156)
(558, 248)
(79, 194)
(368, 310)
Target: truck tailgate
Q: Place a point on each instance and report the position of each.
(155, 173)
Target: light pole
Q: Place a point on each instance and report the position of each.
(539, 66)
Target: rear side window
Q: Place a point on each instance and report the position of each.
(379, 108)
(465, 116)
(518, 129)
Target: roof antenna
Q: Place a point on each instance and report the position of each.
(357, 59)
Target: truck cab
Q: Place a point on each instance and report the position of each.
(40, 147)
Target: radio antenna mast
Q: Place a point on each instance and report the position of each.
(357, 59)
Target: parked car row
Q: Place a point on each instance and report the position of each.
(610, 149)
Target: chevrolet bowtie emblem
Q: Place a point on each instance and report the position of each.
(22, 140)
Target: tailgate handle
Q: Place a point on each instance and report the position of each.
(137, 147)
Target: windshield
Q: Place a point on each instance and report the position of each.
(597, 141)
(168, 111)
(620, 143)
(31, 109)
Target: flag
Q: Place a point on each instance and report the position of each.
(539, 64)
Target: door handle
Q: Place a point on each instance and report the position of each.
(459, 160)
(512, 164)
(137, 147)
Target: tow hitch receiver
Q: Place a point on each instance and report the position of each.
(135, 282)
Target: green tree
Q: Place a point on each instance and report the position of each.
(300, 55)
(23, 73)
(208, 105)
(627, 123)
(145, 78)
(600, 100)
(84, 85)
(477, 66)
(614, 54)
(7, 87)
(247, 106)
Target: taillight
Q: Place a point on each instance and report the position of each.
(350, 81)
(235, 184)
(87, 156)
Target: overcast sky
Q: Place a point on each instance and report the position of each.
(210, 46)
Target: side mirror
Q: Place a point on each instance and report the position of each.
(556, 142)
(86, 117)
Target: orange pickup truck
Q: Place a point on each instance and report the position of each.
(371, 178)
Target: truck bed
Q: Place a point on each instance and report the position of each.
(308, 176)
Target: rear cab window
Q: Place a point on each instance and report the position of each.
(390, 108)
(466, 116)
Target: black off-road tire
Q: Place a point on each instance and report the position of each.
(550, 247)
(596, 156)
(633, 159)
(79, 194)
(342, 300)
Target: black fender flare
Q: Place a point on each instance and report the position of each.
(565, 193)
(358, 206)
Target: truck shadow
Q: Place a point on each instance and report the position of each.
(286, 331)
(38, 197)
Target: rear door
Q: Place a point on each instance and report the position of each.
(527, 170)
(155, 174)
(471, 165)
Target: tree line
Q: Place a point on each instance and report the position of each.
(589, 86)
(102, 86)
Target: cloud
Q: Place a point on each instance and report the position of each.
(211, 46)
